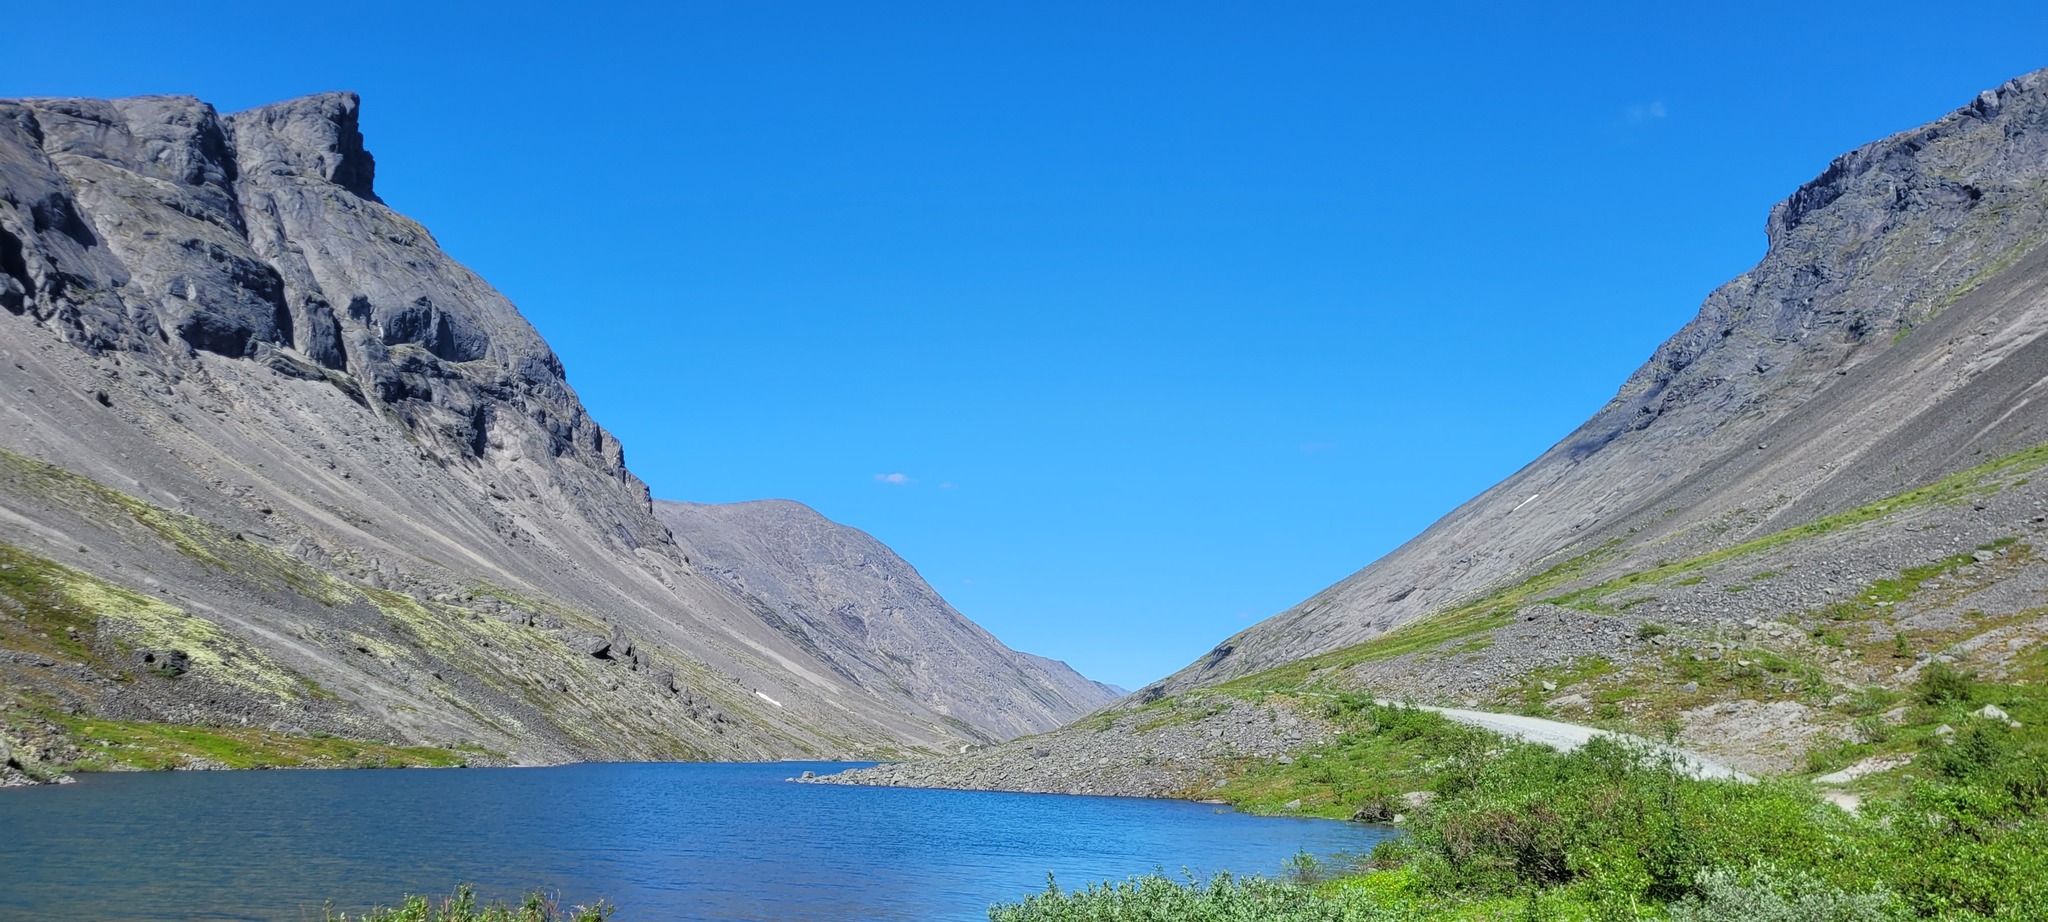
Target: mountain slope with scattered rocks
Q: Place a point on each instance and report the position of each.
(275, 468)
(1889, 337)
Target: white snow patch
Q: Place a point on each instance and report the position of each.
(764, 697)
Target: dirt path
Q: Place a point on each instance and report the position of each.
(1567, 737)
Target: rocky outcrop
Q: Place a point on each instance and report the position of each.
(259, 425)
(869, 614)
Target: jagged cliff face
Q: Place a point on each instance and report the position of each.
(868, 613)
(1890, 336)
(258, 419)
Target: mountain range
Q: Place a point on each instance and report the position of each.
(277, 472)
(1822, 486)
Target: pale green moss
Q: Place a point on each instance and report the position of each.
(144, 623)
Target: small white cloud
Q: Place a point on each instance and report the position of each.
(967, 582)
(946, 486)
(1648, 112)
(898, 478)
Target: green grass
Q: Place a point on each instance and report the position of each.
(1378, 754)
(1962, 486)
(1179, 709)
(1608, 832)
(40, 613)
(1494, 609)
(198, 540)
(111, 743)
(1485, 613)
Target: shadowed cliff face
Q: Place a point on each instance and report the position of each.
(242, 388)
(1890, 336)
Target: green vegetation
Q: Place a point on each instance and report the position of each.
(49, 608)
(1159, 898)
(37, 610)
(1612, 831)
(1453, 630)
(110, 743)
(204, 543)
(1379, 753)
(1963, 486)
(1457, 623)
(463, 907)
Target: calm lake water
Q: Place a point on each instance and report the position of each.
(663, 842)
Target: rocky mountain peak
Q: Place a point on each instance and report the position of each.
(1884, 239)
(156, 228)
(314, 137)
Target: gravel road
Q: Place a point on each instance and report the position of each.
(1564, 736)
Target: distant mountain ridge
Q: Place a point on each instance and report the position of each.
(869, 613)
(257, 424)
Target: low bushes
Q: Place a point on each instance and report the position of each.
(1613, 831)
(463, 907)
(1156, 898)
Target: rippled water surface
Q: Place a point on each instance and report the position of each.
(663, 842)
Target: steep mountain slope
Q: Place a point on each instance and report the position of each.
(1822, 487)
(272, 461)
(868, 613)
(1889, 337)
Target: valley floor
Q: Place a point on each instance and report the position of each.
(1885, 670)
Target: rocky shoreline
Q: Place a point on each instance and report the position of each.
(1178, 748)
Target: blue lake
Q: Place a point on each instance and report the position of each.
(661, 841)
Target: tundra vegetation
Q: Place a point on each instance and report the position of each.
(1616, 831)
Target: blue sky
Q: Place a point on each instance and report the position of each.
(1127, 324)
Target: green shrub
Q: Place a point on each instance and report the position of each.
(1941, 685)
(1872, 729)
(462, 907)
(1768, 894)
(1872, 699)
(1615, 817)
(1155, 898)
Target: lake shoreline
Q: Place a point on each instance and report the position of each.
(713, 841)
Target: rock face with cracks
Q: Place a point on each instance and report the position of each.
(273, 464)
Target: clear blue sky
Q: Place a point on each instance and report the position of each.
(1167, 314)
